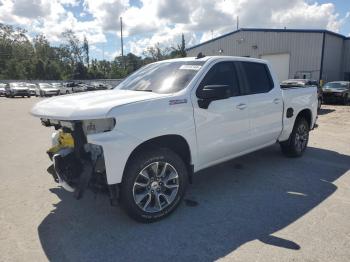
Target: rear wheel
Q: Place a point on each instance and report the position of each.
(297, 142)
(346, 100)
(319, 103)
(153, 185)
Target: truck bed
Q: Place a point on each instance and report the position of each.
(297, 99)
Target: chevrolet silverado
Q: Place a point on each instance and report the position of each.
(143, 140)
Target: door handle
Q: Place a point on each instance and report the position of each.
(277, 100)
(241, 106)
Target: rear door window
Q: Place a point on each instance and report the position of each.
(257, 77)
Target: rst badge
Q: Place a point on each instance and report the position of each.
(177, 101)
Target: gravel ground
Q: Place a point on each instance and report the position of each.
(260, 207)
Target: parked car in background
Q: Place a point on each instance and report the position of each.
(64, 89)
(143, 140)
(338, 91)
(99, 86)
(76, 87)
(45, 89)
(32, 88)
(2, 89)
(306, 83)
(16, 89)
(88, 87)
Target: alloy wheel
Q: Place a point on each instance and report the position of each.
(156, 187)
(301, 138)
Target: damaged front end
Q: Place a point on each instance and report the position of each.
(77, 164)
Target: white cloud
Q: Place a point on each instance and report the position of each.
(106, 12)
(162, 21)
(49, 17)
(206, 18)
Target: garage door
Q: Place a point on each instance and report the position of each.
(280, 64)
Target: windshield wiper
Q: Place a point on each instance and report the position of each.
(146, 90)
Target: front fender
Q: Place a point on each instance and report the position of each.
(117, 147)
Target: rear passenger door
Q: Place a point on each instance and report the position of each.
(265, 103)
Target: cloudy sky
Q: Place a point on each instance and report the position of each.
(148, 22)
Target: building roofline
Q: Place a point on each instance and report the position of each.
(272, 30)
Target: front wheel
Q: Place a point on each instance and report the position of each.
(298, 140)
(153, 185)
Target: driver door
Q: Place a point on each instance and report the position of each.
(223, 128)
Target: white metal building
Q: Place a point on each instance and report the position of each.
(293, 53)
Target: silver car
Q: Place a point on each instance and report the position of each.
(64, 89)
(32, 88)
(2, 89)
(16, 89)
(45, 89)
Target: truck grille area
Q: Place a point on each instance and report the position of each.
(77, 165)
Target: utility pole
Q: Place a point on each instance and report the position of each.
(121, 40)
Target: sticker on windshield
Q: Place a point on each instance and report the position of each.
(190, 67)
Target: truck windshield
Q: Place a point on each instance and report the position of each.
(165, 77)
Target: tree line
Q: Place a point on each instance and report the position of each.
(31, 59)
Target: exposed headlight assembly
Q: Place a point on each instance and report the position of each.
(95, 126)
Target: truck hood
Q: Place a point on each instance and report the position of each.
(91, 105)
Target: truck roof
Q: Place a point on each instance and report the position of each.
(211, 58)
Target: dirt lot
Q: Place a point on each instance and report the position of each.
(260, 207)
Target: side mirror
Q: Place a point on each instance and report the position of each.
(211, 93)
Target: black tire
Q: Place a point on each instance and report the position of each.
(139, 162)
(346, 100)
(319, 104)
(298, 139)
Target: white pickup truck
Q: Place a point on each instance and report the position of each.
(143, 140)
